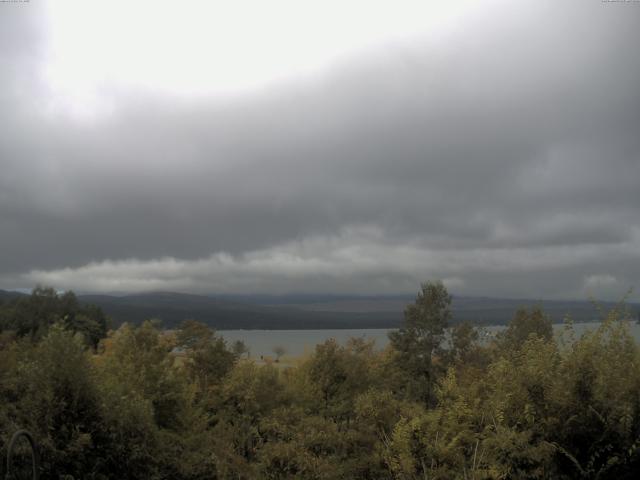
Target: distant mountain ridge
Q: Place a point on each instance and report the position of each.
(8, 295)
(297, 312)
(231, 312)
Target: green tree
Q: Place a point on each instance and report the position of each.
(524, 324)
(239, 348)
(279, 350)
(193, 334)
(50, 391)
(247, 395)
(32, 316)
(336, 375)
(419, 340)
(150, 419)
(208, 359)
(464, 338)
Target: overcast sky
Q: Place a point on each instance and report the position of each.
(321, 146)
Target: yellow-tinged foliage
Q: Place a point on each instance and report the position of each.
(144, 404)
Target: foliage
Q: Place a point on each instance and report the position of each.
(524, 324)
(437, 404)
(420, 339)
(31, 316)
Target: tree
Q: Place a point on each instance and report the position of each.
(463, 339)
(279, 350)
(524, 324)
(336, 375)
(193, 334)
(48, 388)
(239, 348)
(420, 339)
(208, 358)
(33, 315)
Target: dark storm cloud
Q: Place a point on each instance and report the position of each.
(505, 159)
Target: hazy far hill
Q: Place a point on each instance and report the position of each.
(232, 312)
(9, 295)
(320, 311)
(314, 311)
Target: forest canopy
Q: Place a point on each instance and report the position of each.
(439, 402)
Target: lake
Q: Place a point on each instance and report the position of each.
(299, 342)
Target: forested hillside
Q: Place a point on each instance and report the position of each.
(136, 402)
(300, 312)
(318, 311)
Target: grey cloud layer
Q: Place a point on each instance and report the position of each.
(505, 159)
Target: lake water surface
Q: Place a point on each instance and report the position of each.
(299, 342)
